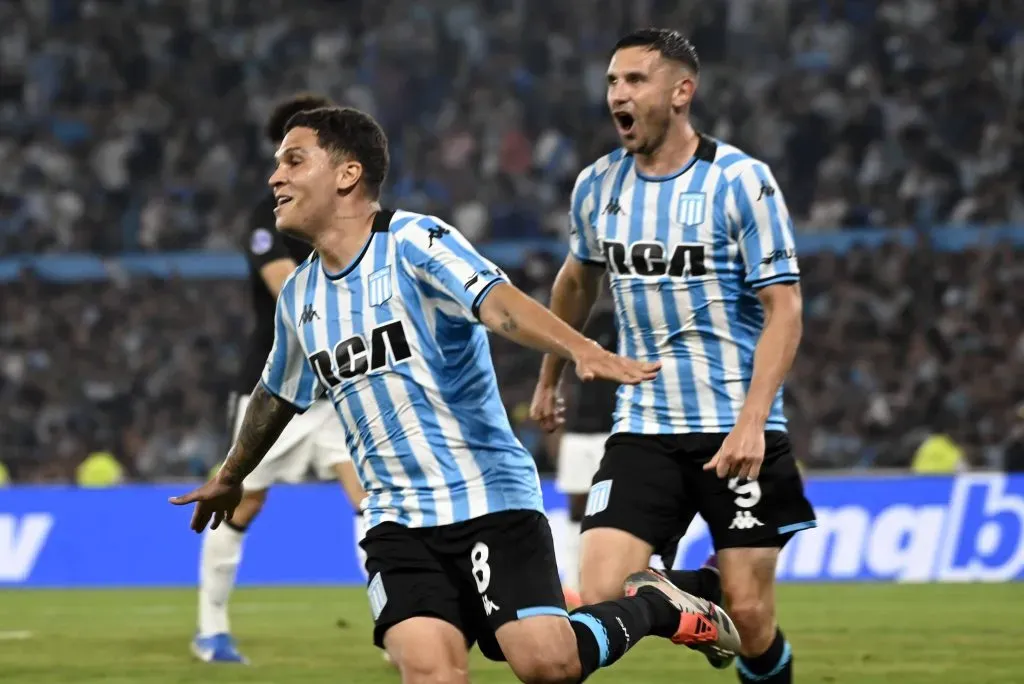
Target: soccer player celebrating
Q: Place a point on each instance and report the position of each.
(315, 439)
(698, 244)
(385, 319)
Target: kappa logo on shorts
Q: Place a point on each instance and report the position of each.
(597, 500)
(745, 520)
(378, 597)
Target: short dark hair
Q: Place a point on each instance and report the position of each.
(348, 131)
(671, 44)
(289, 107)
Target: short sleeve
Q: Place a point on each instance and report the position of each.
(446, 264)
(764, 228)
(288, 375)
(583, 242)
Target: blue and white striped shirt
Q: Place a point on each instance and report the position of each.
(395, 342)
(686, 254)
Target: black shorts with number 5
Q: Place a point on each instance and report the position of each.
(476, 575)
(652, 486)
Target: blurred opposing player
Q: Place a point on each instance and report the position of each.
(385, 318)
(588, 422)
(315, 439)
(698, 244)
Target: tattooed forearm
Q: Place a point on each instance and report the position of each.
(508, 322)
(265, 418)
(517, 317)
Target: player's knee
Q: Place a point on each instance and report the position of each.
(752, 615)
(423, 666)
(549, 666)
(424, 674)
(541, 650)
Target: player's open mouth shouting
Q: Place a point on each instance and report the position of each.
(624, 122)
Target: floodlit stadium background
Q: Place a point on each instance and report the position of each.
(131, 154)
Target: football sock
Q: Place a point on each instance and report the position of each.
(218, 566)
(704, 583)
(571, 555)
(605, 631)
(774, 666)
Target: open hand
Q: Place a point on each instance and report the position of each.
(215, 499)
(593, 362)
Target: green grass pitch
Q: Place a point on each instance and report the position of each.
(842, 634)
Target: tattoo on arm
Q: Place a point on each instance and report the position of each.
(265, 418)
(508, 322)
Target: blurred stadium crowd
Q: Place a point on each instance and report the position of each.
(902, 113)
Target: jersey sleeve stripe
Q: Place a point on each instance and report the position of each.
(775, 279)
(478, 302)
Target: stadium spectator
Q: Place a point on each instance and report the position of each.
(135, 126)
(903, 113)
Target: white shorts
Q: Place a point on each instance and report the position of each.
(312, 439)
(579, 457)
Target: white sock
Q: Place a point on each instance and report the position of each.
(571, 555)
(218, 567)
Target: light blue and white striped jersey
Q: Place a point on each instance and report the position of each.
(395, 342)
(686, 254)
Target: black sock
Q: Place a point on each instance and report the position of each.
(704, 583)
(774, 666)
(605, 631)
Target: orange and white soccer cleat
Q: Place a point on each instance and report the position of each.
(703, 626)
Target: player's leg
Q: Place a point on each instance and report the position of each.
(427, 650)
(221, 549)
(416, 607)
(579, 457)
(750, 522)
(637, 505)
(516, 586)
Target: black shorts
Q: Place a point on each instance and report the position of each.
(652, 486)
(476, 575)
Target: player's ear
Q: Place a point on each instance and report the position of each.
(684, 89)
(347, 174)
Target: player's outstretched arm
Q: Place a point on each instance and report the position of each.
(509, 312)
(265, 418)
